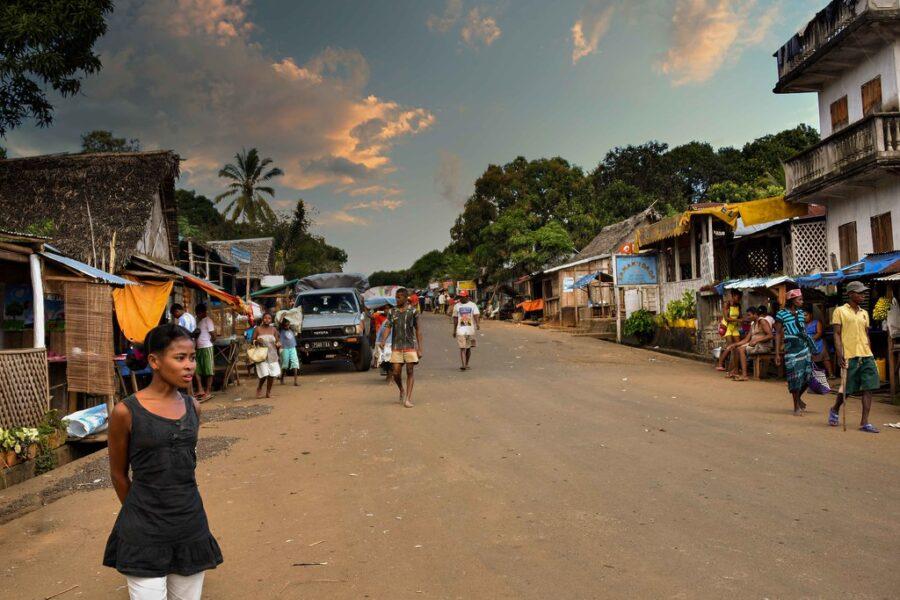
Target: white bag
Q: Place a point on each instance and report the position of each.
(893, 319)
(88, 421)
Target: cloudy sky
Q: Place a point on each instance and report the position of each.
(382, 114)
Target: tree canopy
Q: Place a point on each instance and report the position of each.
(103, 141)
(528, 213)
(46, 44)
(248, 187)
(298, 252)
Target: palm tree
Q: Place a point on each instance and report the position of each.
(245, 189)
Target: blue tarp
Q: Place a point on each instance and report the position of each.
(87, 269)
(873, 264)
(751, 283)
(585, 281)
(379, 301)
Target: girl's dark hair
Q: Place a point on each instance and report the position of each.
(161, 337)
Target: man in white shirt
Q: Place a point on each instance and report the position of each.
(465, 324)
(206, 335)
(184, 318)
(442, 303)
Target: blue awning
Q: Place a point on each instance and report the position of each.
(752, 283)
(871, 265)
(87, 270)
(586, 280)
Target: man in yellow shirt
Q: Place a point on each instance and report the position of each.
(854, 354)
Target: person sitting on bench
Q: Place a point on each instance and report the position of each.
(758, 341)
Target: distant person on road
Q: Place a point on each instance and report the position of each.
(854, 355)
(268, 370)
(790, 335)
(406, 344)
(465, 323)
(442, 303)
(414, 301)
(161, 540)
(289, 359)
(206, 335)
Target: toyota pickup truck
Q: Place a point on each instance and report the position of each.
(335, 325)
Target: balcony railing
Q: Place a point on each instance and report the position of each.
(825, 26)
(845, 152)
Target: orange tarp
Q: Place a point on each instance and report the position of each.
(532, 305)
(216, 293)
(140, 307)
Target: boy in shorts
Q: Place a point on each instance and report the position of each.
(406, 343)
(465, 324)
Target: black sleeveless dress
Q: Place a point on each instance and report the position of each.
(162, 527)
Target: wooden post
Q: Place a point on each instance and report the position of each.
(191, 257)
(37, 300)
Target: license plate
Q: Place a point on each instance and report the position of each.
(323, 344)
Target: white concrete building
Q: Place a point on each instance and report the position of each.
(849, 54)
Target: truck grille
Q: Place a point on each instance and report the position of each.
(321, 333)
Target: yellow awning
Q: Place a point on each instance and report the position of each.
(754, 212)
(770, 209)
(668, 227)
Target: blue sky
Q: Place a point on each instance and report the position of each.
(382, 114)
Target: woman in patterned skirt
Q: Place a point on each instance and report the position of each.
(791, 336)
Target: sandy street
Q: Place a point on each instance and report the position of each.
(557, 467)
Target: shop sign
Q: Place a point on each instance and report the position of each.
(636, 269)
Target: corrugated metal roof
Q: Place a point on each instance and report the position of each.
(894, 277)
(88, 270)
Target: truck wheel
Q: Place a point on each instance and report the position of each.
(362, 360)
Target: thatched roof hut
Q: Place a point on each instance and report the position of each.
(611, 237)
(262, 256)
(89, 203)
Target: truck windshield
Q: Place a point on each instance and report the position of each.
(324, 304)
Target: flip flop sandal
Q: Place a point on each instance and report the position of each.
(720, 368)
(740, 378)
(834, 419)
(869, 428)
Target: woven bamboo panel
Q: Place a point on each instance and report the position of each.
(24, 387)
(89, 338)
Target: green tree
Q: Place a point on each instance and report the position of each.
(46, 44)
(2, 152)
(246, 190)
(103, 141)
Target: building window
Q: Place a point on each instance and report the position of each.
(882, 233)
(847, 242)
(871, 96)
(839, 115)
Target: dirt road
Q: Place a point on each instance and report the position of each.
(557, 467)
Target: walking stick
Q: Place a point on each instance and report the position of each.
(843, 395)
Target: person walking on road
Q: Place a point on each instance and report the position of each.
(268, 370)
(854, 354)
(206, 335)
(790, 334)
(442, 303)
(161, 540)
(465, 323)
(406, 344)
(289, 359)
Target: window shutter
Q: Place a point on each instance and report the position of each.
(839, 115)
(871, 96)
(847, 243)
(882, 233)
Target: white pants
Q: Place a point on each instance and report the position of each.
(171, 587)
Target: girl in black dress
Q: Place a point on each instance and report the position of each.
(161, 540)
